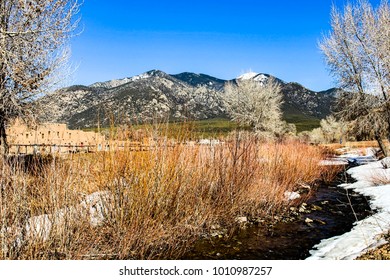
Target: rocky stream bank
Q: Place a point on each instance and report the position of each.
(330, 211)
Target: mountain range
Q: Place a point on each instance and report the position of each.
(158, 95)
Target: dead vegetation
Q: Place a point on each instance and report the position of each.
(150, 204)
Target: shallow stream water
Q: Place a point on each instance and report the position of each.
(333, 211)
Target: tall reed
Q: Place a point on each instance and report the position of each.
(153, 204)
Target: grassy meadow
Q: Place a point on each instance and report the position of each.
(150, 204)
(210, 128)
(190, 130)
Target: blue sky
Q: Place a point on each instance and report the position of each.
(219, 38)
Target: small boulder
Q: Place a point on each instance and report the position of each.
(242, 220)
(308, 220)
(291, 195)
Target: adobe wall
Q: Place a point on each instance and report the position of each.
(56, 136)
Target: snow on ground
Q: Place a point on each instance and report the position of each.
(356, 157)
(335, 161)
(365, 234)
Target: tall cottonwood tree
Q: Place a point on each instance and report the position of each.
(357, 51)
(255, 104)
(34, 37)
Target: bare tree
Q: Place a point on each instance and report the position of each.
(357, 52)
(331, 129)
(34, 37)
(255, 104)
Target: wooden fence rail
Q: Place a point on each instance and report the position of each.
(53, 148)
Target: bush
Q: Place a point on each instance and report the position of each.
(147, 204)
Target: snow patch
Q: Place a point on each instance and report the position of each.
(112, 83)
(333, 162)
(261, 78)
(247, 76)
(140, 77)
(366, 233)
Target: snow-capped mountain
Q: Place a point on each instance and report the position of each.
(151, 95)
(259, 77)
(253, 76)
(111, 83)
(156, 94)
(116, 83)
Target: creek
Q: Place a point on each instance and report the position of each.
(330, 211)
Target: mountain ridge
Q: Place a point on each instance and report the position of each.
(158, 95)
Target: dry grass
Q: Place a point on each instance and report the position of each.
(355, 144)
(380, 177)
(158, 201)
